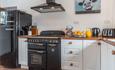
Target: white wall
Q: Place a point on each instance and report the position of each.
(23, 5)
(61, 20)
(114, 12)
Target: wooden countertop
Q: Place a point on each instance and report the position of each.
(70, 38)
(110, 42)
(73, 38)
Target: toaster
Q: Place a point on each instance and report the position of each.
(108, 32)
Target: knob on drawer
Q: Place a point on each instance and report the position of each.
(70, 52)
(71, 64)
(69, 42)
(25, 41)
(99, 43)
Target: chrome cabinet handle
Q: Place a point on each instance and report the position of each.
(9, 29)
(41, 52)
(52, 45)
(10, 21)
(39, 44)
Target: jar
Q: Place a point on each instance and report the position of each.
(34, 30)
(88, 33)
(29, 32)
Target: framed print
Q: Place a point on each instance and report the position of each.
(87, 6)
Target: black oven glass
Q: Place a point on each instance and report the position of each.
(36, 59)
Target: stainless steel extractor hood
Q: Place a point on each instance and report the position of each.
(49, 6)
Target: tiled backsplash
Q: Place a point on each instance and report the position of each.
(49, 22)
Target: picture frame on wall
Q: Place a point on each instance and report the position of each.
(87, 6)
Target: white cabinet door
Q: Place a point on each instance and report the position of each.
(111, 63)
(91, 55)
(23, 52)
(112, 57)
(104, 56)
(107, 59)
(71, 54)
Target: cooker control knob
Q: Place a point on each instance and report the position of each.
(56, 41)
(36, 40)
(32, 40)
(29, 40)
(50, 41)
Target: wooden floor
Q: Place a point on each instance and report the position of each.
(2, 68)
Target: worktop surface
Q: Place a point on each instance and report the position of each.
(75, 38)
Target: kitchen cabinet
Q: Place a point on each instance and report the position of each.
(107, 58)
(71, 54)
(91, 55)
(80, 54)
(97, 55)
(23, 52)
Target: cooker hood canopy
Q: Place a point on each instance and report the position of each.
(49, 6)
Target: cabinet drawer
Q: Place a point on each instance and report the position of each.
(70, 65)
(72, 58)
(71, 54)
(72, 51)
(71, 43)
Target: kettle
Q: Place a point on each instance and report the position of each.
(95, 32)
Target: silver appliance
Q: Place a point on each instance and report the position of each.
(108, 32)
(11, 28)
(49, 6)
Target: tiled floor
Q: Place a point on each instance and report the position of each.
(2, 68)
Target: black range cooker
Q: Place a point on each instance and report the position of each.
(44, 52)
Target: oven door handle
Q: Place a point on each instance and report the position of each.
(36, 51)
(39, 44)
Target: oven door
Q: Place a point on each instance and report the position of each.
(37, 58)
